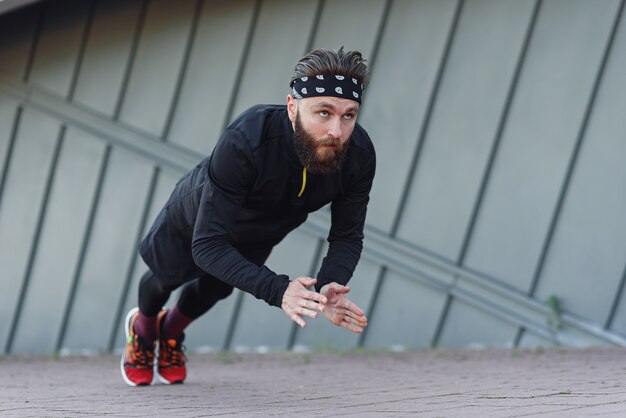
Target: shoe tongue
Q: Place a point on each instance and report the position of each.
(145, 343)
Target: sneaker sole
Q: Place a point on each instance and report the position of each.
(129, 317)
(164, 380)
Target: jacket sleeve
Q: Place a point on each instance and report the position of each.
(230, 176)
(346, 232)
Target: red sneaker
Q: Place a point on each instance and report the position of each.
(137, 363)
(171, 360)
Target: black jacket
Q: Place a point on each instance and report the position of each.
(246, 195)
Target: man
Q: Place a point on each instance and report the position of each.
(271, 167)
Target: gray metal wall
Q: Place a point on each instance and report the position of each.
(501, 184)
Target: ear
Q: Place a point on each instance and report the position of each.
(292, 108)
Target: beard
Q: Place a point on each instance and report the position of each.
(319, 156)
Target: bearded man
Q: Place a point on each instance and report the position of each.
(270, 168)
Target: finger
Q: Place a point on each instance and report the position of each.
(312, 305)
(355, 315)
(360, 321)
(351, 327)
(315, 297)
(355, 322)
(351, 307)
(296, 318)
(306, 312)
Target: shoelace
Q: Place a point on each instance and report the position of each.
(141, 356)
(172, 354)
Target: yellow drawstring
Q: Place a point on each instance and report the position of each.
(303, 182)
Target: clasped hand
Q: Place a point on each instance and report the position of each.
(298, 301)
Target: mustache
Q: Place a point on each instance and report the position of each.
(329, 141)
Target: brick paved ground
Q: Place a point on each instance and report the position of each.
(439, 383)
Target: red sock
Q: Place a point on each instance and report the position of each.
(146, 327)
(174, 324)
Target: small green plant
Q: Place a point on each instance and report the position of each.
(324, 347)
(370, 350)
(555, 322)
(224, 357)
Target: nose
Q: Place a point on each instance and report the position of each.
(334, 128)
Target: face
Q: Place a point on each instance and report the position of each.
(322, 129)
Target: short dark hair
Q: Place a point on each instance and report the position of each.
(332, 62)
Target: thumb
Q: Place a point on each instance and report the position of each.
(339, 288)
(307, 281)
(344, 289)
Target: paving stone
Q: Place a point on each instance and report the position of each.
(433, 383)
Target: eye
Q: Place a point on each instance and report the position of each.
(348, 116)
(323, 113)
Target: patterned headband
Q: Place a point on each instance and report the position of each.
(327, 85)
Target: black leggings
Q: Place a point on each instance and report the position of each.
(199, 293)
